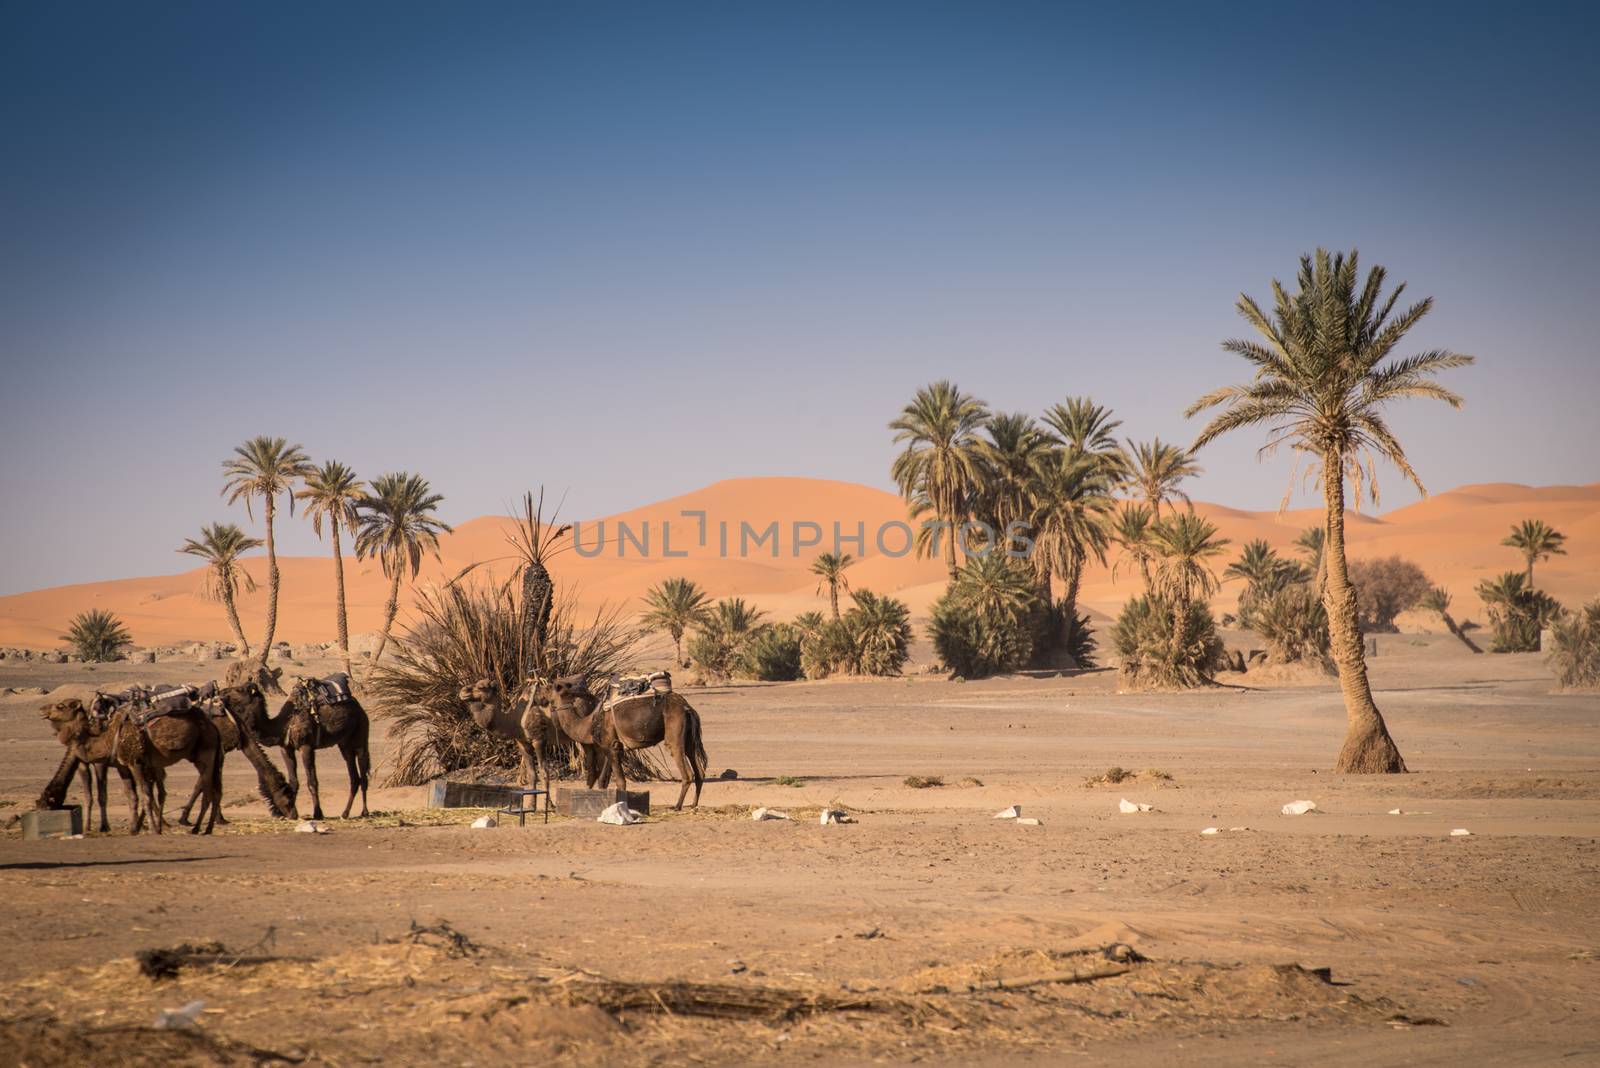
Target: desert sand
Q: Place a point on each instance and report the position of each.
(890, 940)
(1455, 536)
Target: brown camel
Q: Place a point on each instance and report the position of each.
(273, 786)
(487, 706)
(302, 726)
(108, 732)
(94, 775)
(631, 723)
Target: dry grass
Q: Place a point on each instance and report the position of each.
(923, 782)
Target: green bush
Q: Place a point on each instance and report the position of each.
(1294, 624)
(1517, 612)
(879, 632)
(1385, 587)
(1143, 639)
(97, 635)
(773, 655)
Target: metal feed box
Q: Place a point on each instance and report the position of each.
(53, 822)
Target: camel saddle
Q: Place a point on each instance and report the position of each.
(625, 687)
(145, 703)
(332, 690)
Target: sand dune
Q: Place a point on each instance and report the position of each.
(1455, 536)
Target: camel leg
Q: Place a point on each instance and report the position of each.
(348, 751)
(183, 816)
(364, 765)
(208, 764)
(101, 773)
(149, 809)
(86, 776)
(135, 814)
(291, 774)
(308, 757)
(680, 753)
(530, 771)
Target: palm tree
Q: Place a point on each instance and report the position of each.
(331, 493)
(940, 467)
(220, 545)
(265, 467)
(1438, 600)
(1131, 529)
(1071, 522)
(1264, 573)
(97, 635)
(536, 541)
(995, 589)
(1184, 542)
(1320, 382)
(676, 604)
(397, 525)
(1087, 429)
(1009, 460)
(880, 628)
(1310, 542)
(1535, 541)
(1157, 468)
(831, 568)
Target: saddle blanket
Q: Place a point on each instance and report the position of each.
(626, 687)
(333, 690)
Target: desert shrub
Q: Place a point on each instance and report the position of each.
(1080, 643)
(1517, 612)
(1386, 587)
(773, 655)
(826, 648)
(1143, 639)
(1575, 652)
(97, 635)
(470, 631)
(719, 641)
(983, 623)
(1294, 624)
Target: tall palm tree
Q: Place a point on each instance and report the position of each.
(397, 525)
(1071, 522)
(265, 467)
(535, 541)
(220, 545)
(1185, 543)
(676, 604)
(940, 466)
(1535, 540)
(1322, 375)
(332, 493)
(1009, 457)
(1131, 529)
(1437, 600)
(1086, 428)
(1157, 469)
(831, 568)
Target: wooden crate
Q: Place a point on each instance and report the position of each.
(52, 822)
(588, 804)
(447, 794)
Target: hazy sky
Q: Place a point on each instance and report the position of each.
(629, 249)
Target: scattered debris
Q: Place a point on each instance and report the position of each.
(728, 775)
(1130, 807)
(441, 936)
(737, 967)
(971, 780)
(313, 827)
(788, 780)
(1029, 821)
(173, 1019)
(1009, 813)
(1460, 832)
(619, 815)
(1299, 808)
(871, 933)
(923, 782)
(485, 821)
(833, 815)
(1110, 777)
(1212, 830)
(768, 814)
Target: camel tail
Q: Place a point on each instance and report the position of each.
(274, 787)
(697, 745)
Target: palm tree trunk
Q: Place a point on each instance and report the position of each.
(1069, 603)
(233, 621)
(1530, 572)
(338, 579)
(1367, 749)
(833, 596)
(389, 612)
(1180, 617)
(950, 547)
(1039, 624)
(272, 584)
(1455, 629)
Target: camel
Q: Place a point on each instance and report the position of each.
(303, 727)
(631, 723)
(487, 706)
(274, 787)
(95, 775)
(144, 749)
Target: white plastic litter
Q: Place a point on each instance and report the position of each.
(485, 821)
(1129, 807)
(833, 815)
(176, 1019)
(1299, 808)
(312, 827)
(1460, 832)
(618, 815)
(1212, 830)
(1009, 813)
(768, 814)
(1028, 821)
(1396, 812)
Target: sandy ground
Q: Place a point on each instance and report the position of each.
(883, 941)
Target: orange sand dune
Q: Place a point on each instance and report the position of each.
(1455, 536)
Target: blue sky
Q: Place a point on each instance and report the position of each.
(466, 240)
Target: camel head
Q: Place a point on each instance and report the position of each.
(69, 718)
(483, 701)
(247, 702)
(266, 679)
(566, 692)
